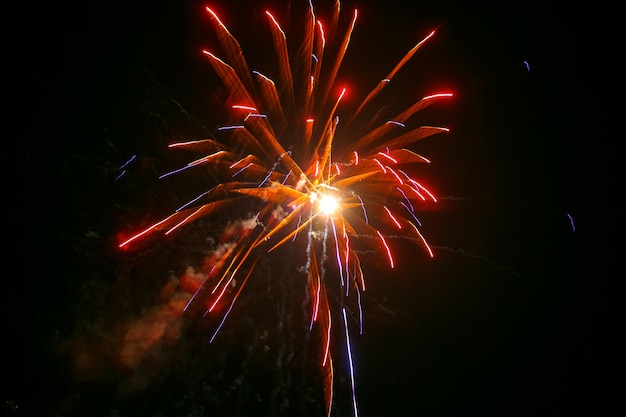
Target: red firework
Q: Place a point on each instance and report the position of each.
(320, 182)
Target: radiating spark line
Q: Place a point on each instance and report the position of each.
(297, 228)
(188, 143)
(571, 222)
(125, 164)
(411, 213)
(332, 222)
(194, 200)
(244, 107)
(184, 221)
(431, 195)
(416, 192)
(394, 174)
(176, 171)
(430, 251)
(349, 349)
(267, 177)
(410, 207)
(395, 161)
(393, 122)
(358, 295)
(326, 356)
(146, 231)
(232, 303)
(286, 177)
(316, 303)
(364, 211)
(382, 167)
(382, 239)
(200, 287)
(259, 115)
(437, 96)
(233, 127)
(393, 219)
(220, 294)
(241, 170)
(359, 273)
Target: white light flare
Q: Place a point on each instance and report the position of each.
(326, 203)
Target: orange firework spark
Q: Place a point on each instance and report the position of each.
(320, 181)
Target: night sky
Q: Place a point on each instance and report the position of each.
(517, 314)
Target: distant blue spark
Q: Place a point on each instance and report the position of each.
(571, 222)
(124, 165)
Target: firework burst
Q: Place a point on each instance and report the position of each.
(338, 188)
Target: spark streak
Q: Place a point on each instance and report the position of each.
(349, 350)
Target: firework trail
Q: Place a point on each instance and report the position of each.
(337, 188)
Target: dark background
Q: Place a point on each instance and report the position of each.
(519, 313)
